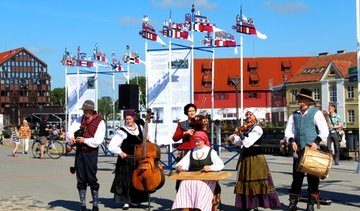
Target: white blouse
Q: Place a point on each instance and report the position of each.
(201, 154)
(119, 137)
(253, 136)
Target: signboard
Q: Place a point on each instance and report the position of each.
(168, 90)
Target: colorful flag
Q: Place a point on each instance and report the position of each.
(98, 55)
(115, 65)
(148, 31)
(131, 57)
(197, 22)
(67, 59)
(208, 41)
(246, 26)
(175, 30)
(83, 60)
(224, 39)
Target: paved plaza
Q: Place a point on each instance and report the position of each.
(27, 183)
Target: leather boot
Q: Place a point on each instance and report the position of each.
(82, 195)
(95, 201)
(312, 199)
(293, 198)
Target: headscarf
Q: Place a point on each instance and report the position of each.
(202, 136)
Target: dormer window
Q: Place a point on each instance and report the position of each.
(286, 66)
(252, 67)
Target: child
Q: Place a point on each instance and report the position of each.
(15, 139)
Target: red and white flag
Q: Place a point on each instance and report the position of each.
(148, 31)
(246, 26)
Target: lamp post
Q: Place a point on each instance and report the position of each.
(235, 81)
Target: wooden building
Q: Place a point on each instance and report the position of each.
(25, 85)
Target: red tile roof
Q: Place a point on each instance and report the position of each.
(6, 55)
(267, 68)
(342, 62)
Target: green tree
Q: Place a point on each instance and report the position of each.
(58, 96)
(141, 81)
(105, 107)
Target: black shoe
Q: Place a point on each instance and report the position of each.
(25, 153)
(83, 208)
(336, 163)
(95, 208)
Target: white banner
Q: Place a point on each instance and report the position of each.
(165, 98)
(80, 87)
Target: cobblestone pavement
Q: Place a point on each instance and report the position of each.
(27, 183)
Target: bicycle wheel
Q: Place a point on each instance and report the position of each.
(55, 149)
(36, 149)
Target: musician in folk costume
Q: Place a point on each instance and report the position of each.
(87, 132)
(254, 187)
(197, 194)
(185, 130)
(306, 127)
(123, 144)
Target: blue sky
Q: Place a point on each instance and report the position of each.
(294, 28)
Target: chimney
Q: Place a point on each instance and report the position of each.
(323, 54)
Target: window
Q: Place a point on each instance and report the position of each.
(350, 92)
(293, 95)
(252, 95)
(221, 96)
(332, 92)
(317, 94)
(351, 116)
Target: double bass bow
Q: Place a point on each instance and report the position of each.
(149, 175)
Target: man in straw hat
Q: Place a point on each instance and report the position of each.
(87, 132)
(306, 127)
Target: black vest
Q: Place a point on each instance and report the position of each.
(197, 165)
(128, 144)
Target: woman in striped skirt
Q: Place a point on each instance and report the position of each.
(197, 194)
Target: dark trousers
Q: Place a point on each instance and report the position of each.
(86, 168)
(298, 177)
(334, 138)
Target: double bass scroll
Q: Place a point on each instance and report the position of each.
(149, 175)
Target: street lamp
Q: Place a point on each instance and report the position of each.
(235, 81)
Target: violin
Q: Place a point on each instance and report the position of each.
(200, 123)
(149, 175)
(244, 127)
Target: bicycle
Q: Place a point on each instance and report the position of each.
(53, 148)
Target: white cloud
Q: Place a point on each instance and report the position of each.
(288, 8)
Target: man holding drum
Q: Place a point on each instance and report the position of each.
(306, 127)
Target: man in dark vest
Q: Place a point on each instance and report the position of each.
(88, 133)
(306, 127)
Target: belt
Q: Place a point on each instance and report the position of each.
(333, 131)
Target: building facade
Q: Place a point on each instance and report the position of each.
(25, 85)
(270, 84)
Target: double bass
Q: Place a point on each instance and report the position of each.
(149, 175)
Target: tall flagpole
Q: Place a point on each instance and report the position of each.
(212, 92)
(66, 100)
(241, 81)
(146, 73)
(113, 100)
(358, 71)
(97, 87)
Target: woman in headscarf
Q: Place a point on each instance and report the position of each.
(254, 187)
(198, 194)
(123, 144)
